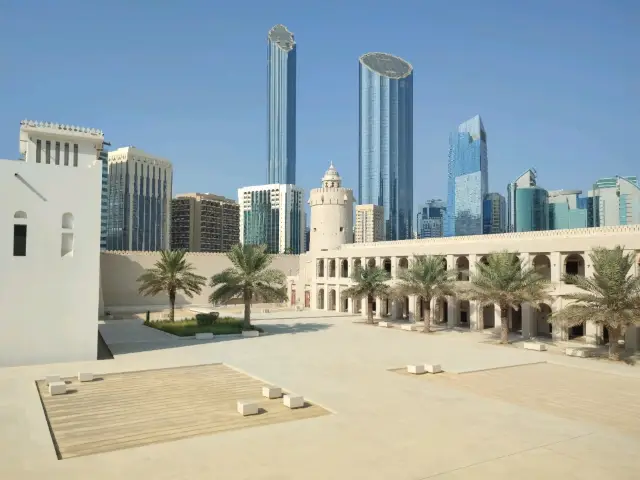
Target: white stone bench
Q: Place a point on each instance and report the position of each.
(293, 401)
(57, 388)
(204, 336)
(385, 324)
(247, 408)
(433, 368)
(51, 379)
(269, 391)
(266, 310)
(410, 327)
(299, 308)
(85, 377)
(250, 333)
(576, 352)
(416, 369)
(538, 347)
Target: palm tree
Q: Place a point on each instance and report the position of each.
(505, 282)
(611, 298)
(171, 274)
(428, 278)
(369, 282)
(250, 279)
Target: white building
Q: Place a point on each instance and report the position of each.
(140, 187)
(615, 201)
(272, 215)
(331, 213)
(369, 223)
(50, 260)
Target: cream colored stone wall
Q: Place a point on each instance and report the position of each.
(120, 270)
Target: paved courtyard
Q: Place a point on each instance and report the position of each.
(479, 420)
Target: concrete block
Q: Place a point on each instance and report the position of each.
(270, 391)
(576, 352)
(433, 368)
(204, 336)
(266, 310)
(293, 401)
(247, 408)
(57, 388)
(410, 328)
(385, 324)
(85, 377)
(538, 347)
(250, 333)
(51, 379)
(416, 369)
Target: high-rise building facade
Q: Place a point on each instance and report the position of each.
(272, 215)
(526, 180)
(532, 209)
(281, 106)
(494, 215)
(385, 162)
(614, 201)
(140, 187)
(430, 219)
(369, 223)
(104, 196)
(468, 179)
(203, 222)
(565, 210)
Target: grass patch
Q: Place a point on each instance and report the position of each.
(189, 327)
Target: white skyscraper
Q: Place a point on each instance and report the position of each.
(272, 215)
(140, 187)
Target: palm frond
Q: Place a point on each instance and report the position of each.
(368, 281)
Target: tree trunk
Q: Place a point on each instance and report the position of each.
(427, 315)
(369, 309)
(614, 348)
(172, 301)
(246, 325)
(504, 324)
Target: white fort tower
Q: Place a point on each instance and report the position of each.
(331, 213)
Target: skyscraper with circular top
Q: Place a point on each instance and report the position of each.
(385, 163)
(281, 106)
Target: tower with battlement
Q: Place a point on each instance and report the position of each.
(331, 213)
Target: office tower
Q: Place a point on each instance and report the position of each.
(614, 201)
(281, 106)
(272, 215)
(385, 163)
(430, 219)
(139, 201)
(104, 196)
(494, 215)
(565, 210)
(526, 180)
(369, 223)
(468, 179)
(203, 222)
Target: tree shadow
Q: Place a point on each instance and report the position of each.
(288, 329)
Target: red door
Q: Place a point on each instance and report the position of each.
(293, 297)
(307, 299)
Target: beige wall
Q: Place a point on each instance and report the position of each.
(119, 271)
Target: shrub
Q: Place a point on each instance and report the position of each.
(206, 319)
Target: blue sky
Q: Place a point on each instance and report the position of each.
(556, 82)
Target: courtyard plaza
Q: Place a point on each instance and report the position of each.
(496, 411)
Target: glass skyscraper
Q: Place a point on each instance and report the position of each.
(468, 179)
(494, 214)
(385, 162)
(104, 196)
(430, 219)
(281, 106)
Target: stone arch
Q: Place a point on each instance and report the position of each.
(386, 264)
(371, 262)
(332, 267)
(445, 266)
(484, 260)
(344, 268)
(489, 316)
(465, 313)
(320, 299)
(320, 270)
(462, 264)
(542, 265)
(357, 264)
(403, 263)
(543, 327)
(331, 305)
(67, 221)
(574, 264)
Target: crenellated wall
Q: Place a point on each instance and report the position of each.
(119, 272)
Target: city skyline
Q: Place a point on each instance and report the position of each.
(533, 116)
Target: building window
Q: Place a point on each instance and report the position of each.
(66, 247)
(66, 154)
(75, 154)
(67, 221)
(57, 153)
(19, 240)
(38, 151)
(47, 152)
